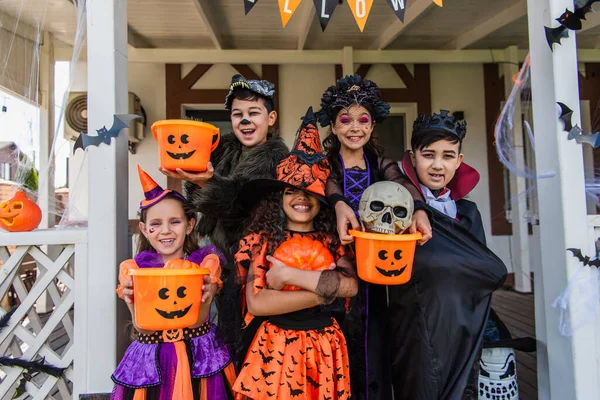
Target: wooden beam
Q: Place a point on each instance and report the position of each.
(135, 39)
(207, 15)
(246, 71)
(413, 12)
(307, 19)
(489, 26)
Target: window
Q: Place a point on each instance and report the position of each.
(391, 136)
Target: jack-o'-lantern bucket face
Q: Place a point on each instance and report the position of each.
(167, 299)
(19, 214)
(303, 253)
(385, 259)
(185, 144)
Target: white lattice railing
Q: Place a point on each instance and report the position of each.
(42, 326)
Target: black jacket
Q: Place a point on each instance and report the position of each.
(218, 201)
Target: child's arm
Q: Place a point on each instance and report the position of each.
(343, 212)
(125, 290)
(328, 284)
(273, 302)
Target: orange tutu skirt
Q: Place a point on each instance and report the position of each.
(295, 364)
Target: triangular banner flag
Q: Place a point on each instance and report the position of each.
(361, 10)
(325, 9)
(287, 8)
(399, 7)
(438, 2)
(248, 4)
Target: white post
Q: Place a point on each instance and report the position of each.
(107, 221)
(46, 176)
(46, 195)
(348, 61)
(567, 368)
(518, 187)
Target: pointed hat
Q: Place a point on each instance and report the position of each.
(153, 193)
(305, 168)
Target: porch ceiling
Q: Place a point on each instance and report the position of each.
(208, 24)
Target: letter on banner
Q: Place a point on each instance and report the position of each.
(287, 9)
(399, 7)
(248, 4)
(325, 9)
(360, 10)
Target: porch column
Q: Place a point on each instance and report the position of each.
(46, 132)
(567, 367)
(107, 220)
(520, 236)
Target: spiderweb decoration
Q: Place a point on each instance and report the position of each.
(22, 68)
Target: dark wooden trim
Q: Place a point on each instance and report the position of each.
(194, 75)
(417, 90)
(246, 71)
(494, 94)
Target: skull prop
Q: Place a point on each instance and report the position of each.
(386, 207)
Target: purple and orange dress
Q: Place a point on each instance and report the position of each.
(193, 364)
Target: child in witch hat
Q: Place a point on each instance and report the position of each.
(298, 350)
(190, 364)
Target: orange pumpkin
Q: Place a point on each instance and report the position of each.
(179, 263)
(185, 144)
(303, 253)
(19, 214)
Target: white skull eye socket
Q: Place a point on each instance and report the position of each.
(376, 206)
(400, 212)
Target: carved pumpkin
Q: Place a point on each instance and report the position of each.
(303, 253)
(19, 214)
(185, 144)
(385, 259)
(168, 298)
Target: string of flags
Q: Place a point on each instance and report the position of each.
(325, 8)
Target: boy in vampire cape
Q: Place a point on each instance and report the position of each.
(438, 318)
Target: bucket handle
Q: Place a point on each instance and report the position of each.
(216, 143)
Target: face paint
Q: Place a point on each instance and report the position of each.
(244, 122)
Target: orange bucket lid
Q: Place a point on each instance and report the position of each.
(379, 236)
(186, 122)
(168, 272)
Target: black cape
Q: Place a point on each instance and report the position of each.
(439, 316)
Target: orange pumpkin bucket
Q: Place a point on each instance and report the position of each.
(385, 259)
(167, 298)
(185, 144)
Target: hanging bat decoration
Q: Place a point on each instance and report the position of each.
(569, 20)
(575, 132)
(585, 259)
(120, 122)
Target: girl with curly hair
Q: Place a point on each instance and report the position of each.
(298, 350)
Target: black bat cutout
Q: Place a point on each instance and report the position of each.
(555, 35)
(565, 116)
(268, 383)
(582, 7)
(255, 379)
(569, 20)
(585, 259)
(270, 394)
(294, 361)
(120, 122)
(245, 389)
